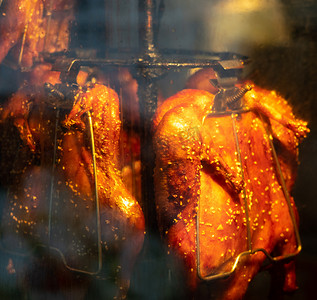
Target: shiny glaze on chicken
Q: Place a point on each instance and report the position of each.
(197, 164)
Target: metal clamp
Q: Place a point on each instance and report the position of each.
(50, 211)
(250, 251)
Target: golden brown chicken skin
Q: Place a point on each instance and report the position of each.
(73, 179)
(197, 162)
(121, 217)
(30, 27)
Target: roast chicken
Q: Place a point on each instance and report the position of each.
(198, 168)
(122, 219)
(30, 27)
(45, 119)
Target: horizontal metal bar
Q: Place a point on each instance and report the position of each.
(68, 63)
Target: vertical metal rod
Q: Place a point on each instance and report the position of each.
(23, 43)
(284, 188)
(147, 105)
(198, 239)
(147, 93)
(146, 26)
(244, 195)
(91, 130)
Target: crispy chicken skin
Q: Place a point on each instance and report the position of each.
(121, 217)
(104, 104)
(26, 26)
(197, 163)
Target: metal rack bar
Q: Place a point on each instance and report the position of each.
(64, 63)
(244, 193)
(148, 94)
